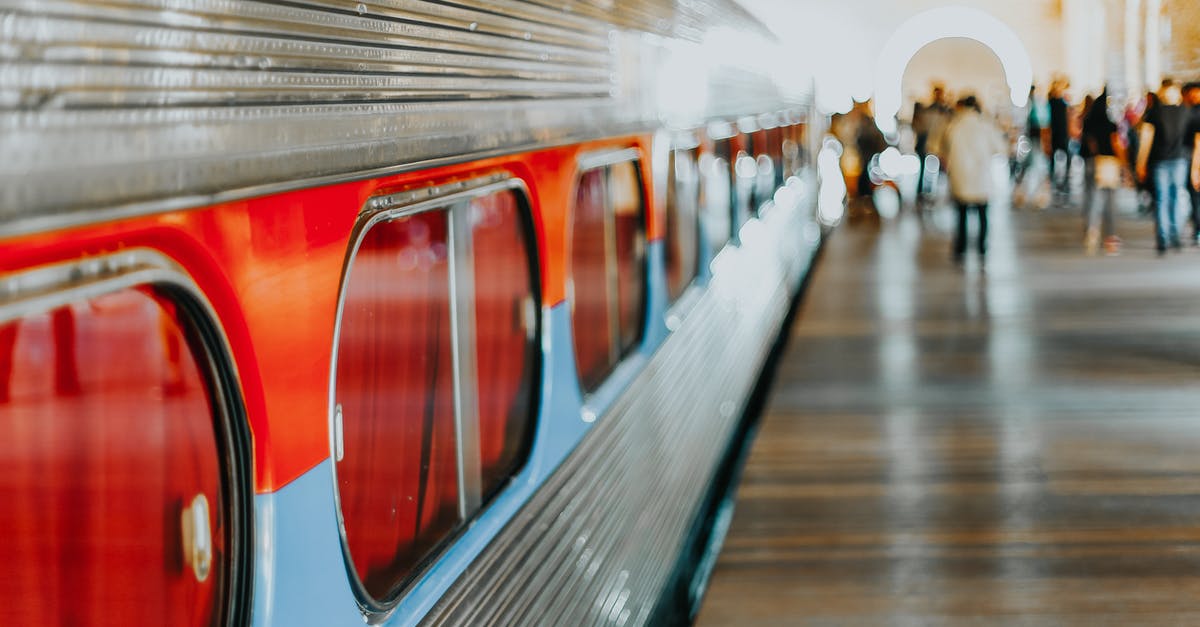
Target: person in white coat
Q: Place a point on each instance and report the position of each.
(972, 141)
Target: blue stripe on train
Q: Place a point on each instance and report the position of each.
(300, 574)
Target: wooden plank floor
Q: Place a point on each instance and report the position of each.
(1017, 444)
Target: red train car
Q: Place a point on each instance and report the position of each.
(320, 312)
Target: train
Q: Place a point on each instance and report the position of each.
(324, 312)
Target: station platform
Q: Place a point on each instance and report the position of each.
(1013, 442)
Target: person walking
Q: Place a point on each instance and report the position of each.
(972, 141)
(1135, 112)
(929, 120)
(1163, 155)
(1060, 142)
(1089, 157)
(1031, 171)
(1106, 158)
(1191, 98)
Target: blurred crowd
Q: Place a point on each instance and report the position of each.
(1061, 153)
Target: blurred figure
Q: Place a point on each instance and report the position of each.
(1191, 98)
(1135, 112)
(972, 141)
(1060, 141)
(1088, 155)
(1105, 164)
(1163, 156)
(871, 143)
(1030, 172)
(929, 122)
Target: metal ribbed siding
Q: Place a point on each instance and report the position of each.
(597, 544)
(128, 106)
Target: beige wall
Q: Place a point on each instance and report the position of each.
(964, 66)
(849, 34)
(1182, 55)
(1089, 41)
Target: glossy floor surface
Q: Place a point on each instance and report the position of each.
(1011, 444)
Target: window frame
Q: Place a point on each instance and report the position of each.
(43, 289)
(585, 163)
(454, 198)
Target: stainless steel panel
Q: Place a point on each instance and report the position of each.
(132, 106)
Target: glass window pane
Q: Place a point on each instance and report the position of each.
(505, 336)
(764, 182)
(108, 435)
(745, 173)
(683, 238)
(715, 192)
(593, 315)
(775, 151)
(629, 226)
(791, 155)
(397, 478)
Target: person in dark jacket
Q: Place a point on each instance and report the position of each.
(1060, 141)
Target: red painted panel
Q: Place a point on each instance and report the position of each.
(397, 480)
(108, 433)
(271, 268)
(505, 336)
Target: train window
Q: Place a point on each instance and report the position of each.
(794, 154)
(592, 318)
(608, 284)
(506, 355)
(629, 225)
(764, 175)
(716, 191)
(117, 493)
(745, 170)
(791, 152)
(775, 152)
(435, 378)
(683, 229)
(396, 456)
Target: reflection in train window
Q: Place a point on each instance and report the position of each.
(506, 356)
(682, 240)
(432, 297)
(116, 506)
(607, 285)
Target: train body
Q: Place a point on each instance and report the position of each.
(323, 312)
